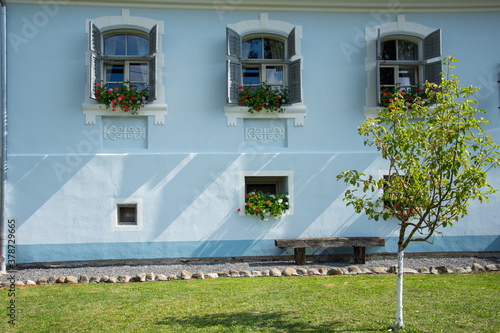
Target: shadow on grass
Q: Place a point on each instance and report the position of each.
(240, 321)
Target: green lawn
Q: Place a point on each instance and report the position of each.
(433, 303)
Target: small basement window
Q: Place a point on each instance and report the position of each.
(272, 182)
(127, 214)
(272, 185)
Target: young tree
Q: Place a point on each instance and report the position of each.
(438, 157)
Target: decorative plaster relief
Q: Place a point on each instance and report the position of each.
(125, 133)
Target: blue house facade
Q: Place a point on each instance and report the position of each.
(86, 181)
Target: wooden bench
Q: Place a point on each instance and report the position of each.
(299, 245)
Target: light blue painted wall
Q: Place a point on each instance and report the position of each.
(62, 177)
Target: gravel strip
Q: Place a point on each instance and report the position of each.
(175, 269)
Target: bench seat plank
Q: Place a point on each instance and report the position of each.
(329, 242)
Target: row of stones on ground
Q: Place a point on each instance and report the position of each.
(185, 275)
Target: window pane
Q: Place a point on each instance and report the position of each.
(407, 50)
(408, 76)
(265, 188)
(114, 45)
(139, 86)
(389, 50)
(127, 214)
(387, 76)
(274, 75)
(251, 76)
(138, 72)
(137, 45)
(114, 73)
(273, 49)
(252, 49)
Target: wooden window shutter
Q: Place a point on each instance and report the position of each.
(95, 38)
(378, 83)
(233, 41)
(233, 80)
(378, 45)
(152, 79)
(432, 45)
(153, 40)
(432, 49)
(294, 88)
(291, 44)
(95, 73)
(95, 47)
(153, 49)
(432, 72)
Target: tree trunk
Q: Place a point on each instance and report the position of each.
(399, 317)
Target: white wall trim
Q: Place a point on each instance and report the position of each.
(157, 108)
(220, 8)
(295, 112)
(371, 33)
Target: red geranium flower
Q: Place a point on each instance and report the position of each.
(251, 88)
(256, 209)
(132, 97)
(240, 87)
(267, 202)
(97, 84)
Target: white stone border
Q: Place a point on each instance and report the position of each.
(114, 214)
(392, 28)
(91, 109)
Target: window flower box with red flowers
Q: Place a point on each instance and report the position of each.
(125, 97)
(409, 94)
(262, 204)
(263, 97)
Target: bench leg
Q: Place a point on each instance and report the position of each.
(300, 255)
(359, 254)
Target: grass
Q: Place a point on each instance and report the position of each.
(433, 303)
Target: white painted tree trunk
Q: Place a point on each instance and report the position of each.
(399, 317)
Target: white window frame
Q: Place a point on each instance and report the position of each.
(394, 30)
(126, 23)
(273, 177)
(277, 30)
(115, 203)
